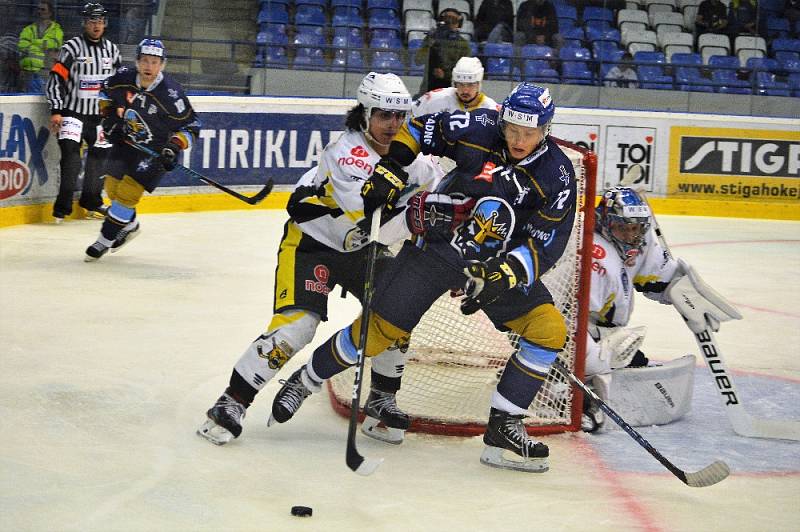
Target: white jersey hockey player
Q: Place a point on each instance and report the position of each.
(628, 258)
(464, 95)
(324, 245)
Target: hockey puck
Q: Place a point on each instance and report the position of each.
(301, 511)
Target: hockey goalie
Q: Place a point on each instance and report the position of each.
(627, 258)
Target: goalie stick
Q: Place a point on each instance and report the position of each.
(250, 200)
(355, 461)
(708, 476)
(743, 423)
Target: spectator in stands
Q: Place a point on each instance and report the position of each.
(441, 49)
(537, 23)
(744, 17)
(792, 12)
(9, 66)
(712, 17)
(495, 21)
(133, 22)
(623, 74)
(38, 48)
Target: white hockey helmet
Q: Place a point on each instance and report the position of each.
(383, 91)
(468, 70)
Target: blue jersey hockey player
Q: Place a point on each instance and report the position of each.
(145, 107)
(523, 190)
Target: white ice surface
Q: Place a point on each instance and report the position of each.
(108, 369)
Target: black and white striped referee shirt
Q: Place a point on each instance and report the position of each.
(78, 75)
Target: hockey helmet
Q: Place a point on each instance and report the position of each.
(151, 47)
(528, 105)
(468, 70)
(93, 11)
(623, 218)
(383, 91)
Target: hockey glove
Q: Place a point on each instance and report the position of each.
(113, 129)
(384, 186)
(437, 212)
(168, 155)
(486, 281)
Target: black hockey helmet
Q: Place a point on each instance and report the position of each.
(93, 10)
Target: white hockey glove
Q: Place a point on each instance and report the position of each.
(699, 304)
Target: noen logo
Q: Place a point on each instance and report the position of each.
(359, 151)
(734, 156)
(320, 285)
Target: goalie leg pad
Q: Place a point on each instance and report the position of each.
(288, 333)
(653, 395)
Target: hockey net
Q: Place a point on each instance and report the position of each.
(455, 361)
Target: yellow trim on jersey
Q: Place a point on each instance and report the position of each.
(641, 280)
(541, 214)
(280, 319)
(527, 371)
(603, 312)
(475, 146)
(285, 273)
(535, 183)
(404, 136)
(478, 101)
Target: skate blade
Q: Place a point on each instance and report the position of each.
(215, 433)
(271, 421)
(494, 457)
(128, 239)
(89, 258)
(374, 429)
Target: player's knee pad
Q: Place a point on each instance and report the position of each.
(110, 184)
(543, 326)
(288, 333)
(380, 335)
(392, 362)
(129, 192)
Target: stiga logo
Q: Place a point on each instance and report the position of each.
(15, 178)
(739, 156)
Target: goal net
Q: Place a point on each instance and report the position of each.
(455, 361)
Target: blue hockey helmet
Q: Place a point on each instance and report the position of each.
(151, 47)
(93, 11)
(623, 218)
(528, 105)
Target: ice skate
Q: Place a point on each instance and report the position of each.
(506, 432)
(224, 421)
(97, 214)
(128, 233)
(289, 398)
(95, 251)
(383, 419)
(592, 418)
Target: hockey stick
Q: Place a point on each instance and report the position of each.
(743, 423)
(355, 461)
(708, 476)
(263, 193)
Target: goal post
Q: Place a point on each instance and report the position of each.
(455, 361)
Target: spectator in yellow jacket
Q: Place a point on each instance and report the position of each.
(38, 47)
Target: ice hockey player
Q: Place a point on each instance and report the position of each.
(629, 258)
(464, 95)
(146, 107)
(324, 244)
(524, 188)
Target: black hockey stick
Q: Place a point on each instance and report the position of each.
(355, 461)
(708, 476)
(263, 193)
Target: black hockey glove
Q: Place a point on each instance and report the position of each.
(384, 186)
(168, 155)
(113, 129)
(437, 212)
(486, 281)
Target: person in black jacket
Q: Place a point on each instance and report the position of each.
(495, 21)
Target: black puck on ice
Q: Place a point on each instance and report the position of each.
(301, 511)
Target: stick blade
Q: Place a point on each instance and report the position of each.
(775, 429)
(709, 475)
(361, 465)
(263, 193)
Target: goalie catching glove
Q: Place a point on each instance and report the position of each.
(384, 186)
(437, 212)
(699, 304)
(486, 281)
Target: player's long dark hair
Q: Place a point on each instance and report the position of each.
(356, 119)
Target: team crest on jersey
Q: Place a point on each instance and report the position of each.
(136, 127)
(172, 94)
(485, 120)
(564, 174)
(488, 231)
(355, 239)
(278, 355)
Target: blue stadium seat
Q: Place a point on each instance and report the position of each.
(272, 35)
(383, 43)
(353, 35)
(605, 34)
(346, 3)
(576, 74)
(537, 58)
(348, 60)
(415, 68)
(650, 70)
(383, 18)
(573, 36)
(785, 55)
(385, 33)
(794, 83)
(499, 59)
(566, 11)
(597, 13)
(310, 15)
(777, 28)
(274, 14)
(384, 4)
(531, 72)
(387, 61)
(727, 82)
(597, 26)
(274, 57)
(790, 65)
(789, 45)
(686, 70)
(606, 51)
(575, 54)
(321, 3)
(347, 16)
(767, 85)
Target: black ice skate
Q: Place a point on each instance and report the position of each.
(224, 421)
(125, 236)
(592, 418)
(506, 432)
(95, 251)
(383, 419)
(291, 395)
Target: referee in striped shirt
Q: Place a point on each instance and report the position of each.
(72, 89)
